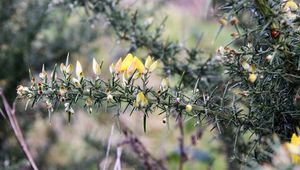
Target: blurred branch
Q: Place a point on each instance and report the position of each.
(183, 156)
(10, 112)
(139, 149)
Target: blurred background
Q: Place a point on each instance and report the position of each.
(37, 32)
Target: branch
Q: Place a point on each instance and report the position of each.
(10, 112)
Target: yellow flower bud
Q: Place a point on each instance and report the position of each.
(69, 69)
(96, 67)
(164, 84)
(223, 22)
(252, 77)
(112, 68)
(79, 72)
(141, 100)
(188, 108)
(148, 62)
(245, 65)
(153, 66)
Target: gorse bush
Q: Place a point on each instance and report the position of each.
(249, 88)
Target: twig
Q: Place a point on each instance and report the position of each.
(139, 149)
(183, 156)
(108, 146)
(10, 112)
(118, 160)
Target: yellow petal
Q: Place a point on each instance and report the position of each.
(118, 65)
(153, 66)
(139, 65)
(148, 62)
(293, 149)
(295, 159)
(131, 68)
(79, 72)
(252, 77)
(69, 69)
(295, 140)
(126, 62)
(96, 67)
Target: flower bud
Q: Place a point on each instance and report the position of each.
(188, 108)
(112, 68)
(96, 67)
(79, 72)
(43, 74)
(153, 66)
(148, 62)
(223, 22)
(164, 84)
(252, 77)
(69, 69)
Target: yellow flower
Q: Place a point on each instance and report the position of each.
(126, 63)
(153, 66)
(294, 148)
(252, 77)
(141, 100)
(79, 72)
(188, 108)
(96, 67)
(136, 64)
(290, 5)
(148, 62)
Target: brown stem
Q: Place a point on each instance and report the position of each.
(11, 114)
(183, 156)
(140, 150)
